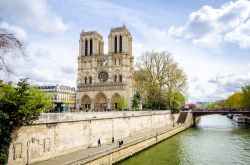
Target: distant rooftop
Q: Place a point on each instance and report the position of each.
(56, 86)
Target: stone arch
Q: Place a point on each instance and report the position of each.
(100, 101)
(86, 102)
(114, 100)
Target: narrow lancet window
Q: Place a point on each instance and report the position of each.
(90, 80)
(120, 46)
(86, 47)
(91, 47)
(115, 44)
(120, 78)
(86, 79)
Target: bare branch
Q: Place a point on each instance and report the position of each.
(9, 45)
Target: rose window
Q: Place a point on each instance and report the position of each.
(103, 76)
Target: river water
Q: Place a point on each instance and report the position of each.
(216, 140)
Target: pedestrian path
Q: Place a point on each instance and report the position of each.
(87, 153)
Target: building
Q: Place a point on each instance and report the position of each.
(61, 94)
(103, 79)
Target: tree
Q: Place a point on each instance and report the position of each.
(19, 106)
(122, 103)
(136, 100)
(162, 79)
(9, 45)
(246, 96)
(235, 100)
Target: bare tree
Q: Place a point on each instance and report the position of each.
(9, 45)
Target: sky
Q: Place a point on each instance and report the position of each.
(209, 39)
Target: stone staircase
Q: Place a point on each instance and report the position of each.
(182, 117)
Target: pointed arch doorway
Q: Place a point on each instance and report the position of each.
(100, 102)
(86, 102)
(114, 100)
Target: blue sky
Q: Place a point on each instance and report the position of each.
(209, 39)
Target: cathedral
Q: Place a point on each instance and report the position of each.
(104, 79)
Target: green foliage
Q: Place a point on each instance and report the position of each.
(235, 101)
(159, 80)
(136, 100)
(19, 106)
(177, 101)
(122, 103)
(246, 96)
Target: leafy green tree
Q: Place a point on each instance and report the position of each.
(19, 106)
(122, 103)
(235, 100)
(246, 96)
(177, 101)
(136, 100)
(160, 79)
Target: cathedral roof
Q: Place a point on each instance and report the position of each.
(83, 33)
(118, 29)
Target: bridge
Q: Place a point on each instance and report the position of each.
(203, 112)
(199, 113)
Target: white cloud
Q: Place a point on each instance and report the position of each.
(240, 35)
(19, 32)
(209, 26)
(35, 14)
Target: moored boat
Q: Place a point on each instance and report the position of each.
(239, 118)
(230, 116)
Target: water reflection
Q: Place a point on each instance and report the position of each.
(215, 140)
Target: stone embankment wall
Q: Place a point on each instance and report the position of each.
(57, 134)
(129, 149)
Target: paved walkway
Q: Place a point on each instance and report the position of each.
(90, 152)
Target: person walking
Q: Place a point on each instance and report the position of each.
(113, 139)
(99, 142)
(119, 143)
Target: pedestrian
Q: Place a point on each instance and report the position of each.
(121, 142)
(99, 142)
(113, 139)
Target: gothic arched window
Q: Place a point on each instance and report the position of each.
(120, 78)
(115, 78)
(91, 47)
(115, 44)
(90, 80)
(86, 79)
(86, 47)
(120, 48)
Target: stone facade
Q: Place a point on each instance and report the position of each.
(103, 79)
(56, 134)
(61, 94)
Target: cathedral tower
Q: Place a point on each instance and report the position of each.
(91, 44)
(120, 41)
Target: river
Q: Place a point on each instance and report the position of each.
(216, 140)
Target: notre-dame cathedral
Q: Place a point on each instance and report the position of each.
(103, 79)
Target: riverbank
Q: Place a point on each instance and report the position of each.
(55, 135)
(214, 140)
(110, 153)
